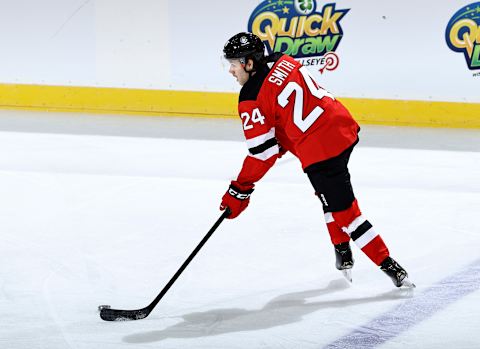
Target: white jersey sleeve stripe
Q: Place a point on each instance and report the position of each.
(256, 141)
(267, 154)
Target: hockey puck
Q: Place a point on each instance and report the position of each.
(100, 307)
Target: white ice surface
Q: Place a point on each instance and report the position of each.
(89, 220)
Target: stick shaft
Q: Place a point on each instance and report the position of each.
(189, 259)
(109, 314)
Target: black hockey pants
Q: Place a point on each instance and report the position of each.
(331, 181)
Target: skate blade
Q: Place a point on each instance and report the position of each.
(347, 273)
(406, 283)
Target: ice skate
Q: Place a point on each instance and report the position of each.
(398, 275)
(344, 260)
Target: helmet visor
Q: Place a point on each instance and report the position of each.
(228, 63)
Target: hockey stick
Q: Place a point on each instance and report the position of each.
(108, 314)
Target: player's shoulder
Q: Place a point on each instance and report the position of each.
(283, 59)
(284, 67)
(279, 65)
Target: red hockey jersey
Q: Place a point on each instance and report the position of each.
(285, 109)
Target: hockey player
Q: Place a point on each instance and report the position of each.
(283, 108)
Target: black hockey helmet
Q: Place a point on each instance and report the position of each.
(245, 46)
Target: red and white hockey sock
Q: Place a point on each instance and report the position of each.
(337, 235)
(362, 233)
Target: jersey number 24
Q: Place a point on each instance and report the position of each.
(301, 121)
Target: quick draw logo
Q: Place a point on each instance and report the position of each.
(297, 28)
(463, 34)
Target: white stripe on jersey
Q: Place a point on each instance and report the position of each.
(267, 154)
(254, 142)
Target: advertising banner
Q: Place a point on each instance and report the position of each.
(368, 49)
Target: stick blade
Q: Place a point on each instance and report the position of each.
(108, 314)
